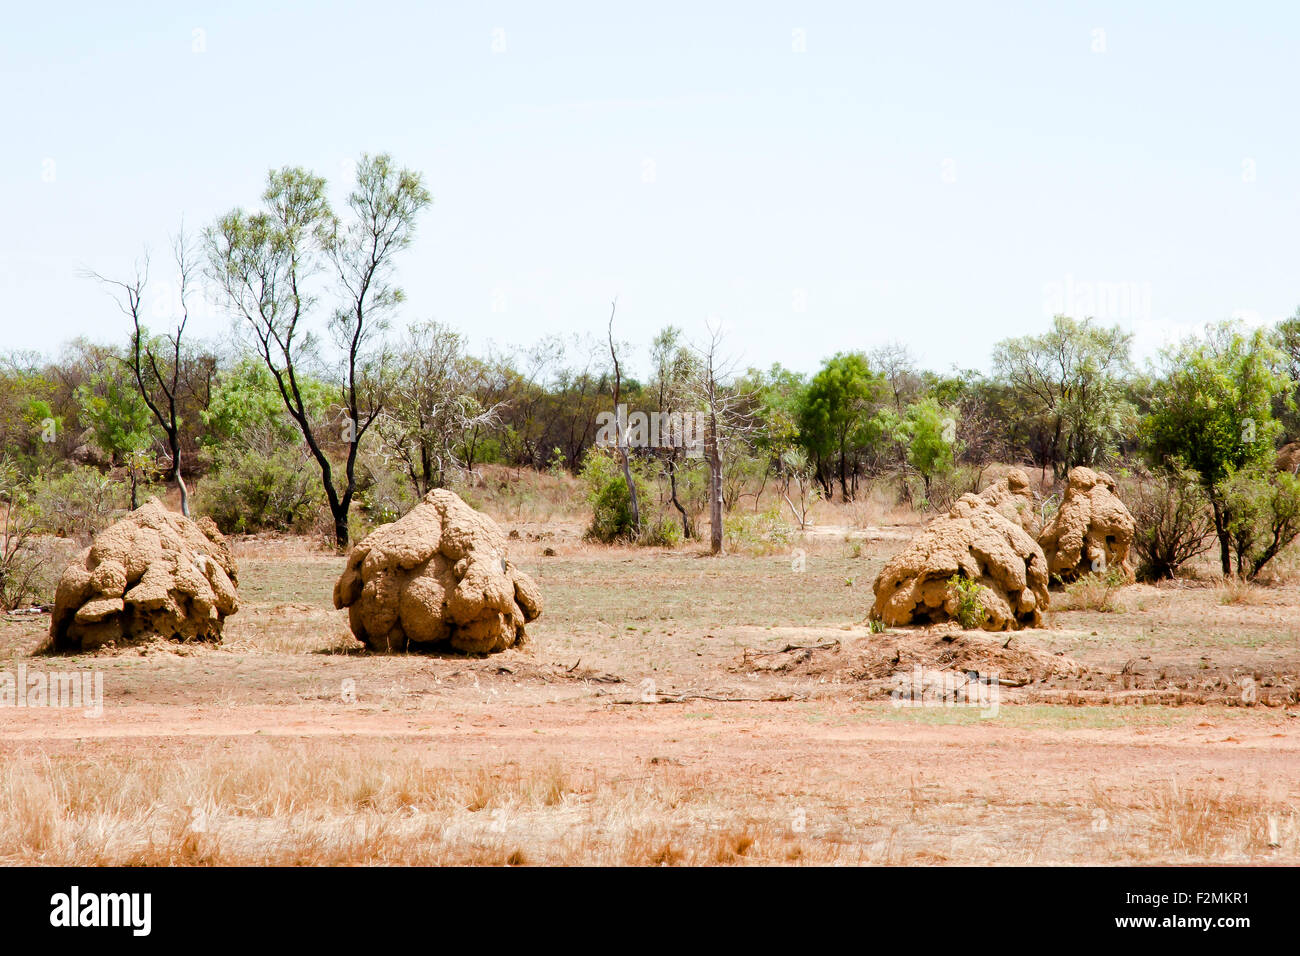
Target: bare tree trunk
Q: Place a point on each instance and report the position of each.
(619, 437)
(714, 454)
(672, 485)
(173, 440)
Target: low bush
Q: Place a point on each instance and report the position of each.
(251, 491)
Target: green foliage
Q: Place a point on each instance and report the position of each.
(780, 395)
(77, 502)
(929, 431)
(256, 491)
(1213, 408)
(607, 493)
(383, 492)
(971, 613)
(120, 422)
(763, 532)
(246, 409)
(1264, 515)
(662, 530)
(837, 403)
(836, 414)
(20, 558)
(556, 464)
(1072, 378)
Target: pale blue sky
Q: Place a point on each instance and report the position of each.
(935, 173)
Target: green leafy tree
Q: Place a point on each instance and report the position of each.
(120, 426)
(1212, 409)
(1072, 378)
(267, 264)
(930, 433)
(836, 415)
(247, 412)
(1263, 506)
(118, 418)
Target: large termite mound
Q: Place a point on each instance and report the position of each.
(154, 574)
(976, 542)
(1092, 530)
(1012, 496)
(437, 579)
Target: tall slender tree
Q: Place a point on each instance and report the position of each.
(267, 263)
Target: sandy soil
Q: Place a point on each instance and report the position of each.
(729, 700)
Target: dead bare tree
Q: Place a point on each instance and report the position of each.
(431, 410)
(727, 420)
(156, 364)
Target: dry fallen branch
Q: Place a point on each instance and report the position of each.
(682, 698)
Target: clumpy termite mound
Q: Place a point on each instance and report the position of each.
(1013, 498)
(437, 579)
(976, 542)
(1092, 530)
(154, 574)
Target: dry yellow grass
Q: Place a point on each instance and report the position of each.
(305, 803)
(308, 804)
(1232, 590)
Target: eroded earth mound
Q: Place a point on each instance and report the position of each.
(154, 574)
(1092, 530)
(974, 541)
(438, 578)
(1011, 496)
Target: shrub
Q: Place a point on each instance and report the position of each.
(255, 491)
(664, 530)
(77, 503)
(764, 532)
(611, 505)
(1264, 515)
(1095, 591)
(1173, 520)
(383, 492)
(20, 562)
(947, 486)
(971, 613)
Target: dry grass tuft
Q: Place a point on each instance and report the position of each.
(1234, 591)
(1211, 823)
(1094, 592)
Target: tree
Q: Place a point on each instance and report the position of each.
(1212, 410)
(431, 410)
(1072, 378)
(930, 432)
(157, 363)
(20, 560)
(1286, 336)
(897, 367)
(119, 425)
(726, 421)
(266, 263)
(620, 436)
(1263, 506)
(1173, 521)
(835, 416)
(675, 366)
(118, 418)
